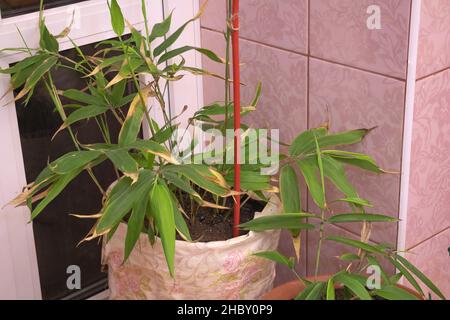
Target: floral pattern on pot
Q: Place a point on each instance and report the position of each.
(222, 270)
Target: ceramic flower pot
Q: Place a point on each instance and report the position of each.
(203, 270)
(290, 290)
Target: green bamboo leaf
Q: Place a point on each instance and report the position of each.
(277, 257)
(54, 190)
(117, 19)
(118, 92)
(355, 159)
(25, 63)
(135, 225)
(200, 177)
(83, 113)
(83, 97)
(406, 274)
(116, 208)
(280, 221)
(73, 161)
(153, 148)
(174, 36)
(308, 169)
(255, 100)
(304, 294)
(162, 209)
(360, 217)
(357, 201)
(132, 126)
(331, 295)
(420, 276)
(316, 292)
(180, 224)
(161, 29)
(182, 185)
(289, 190)
(349, 257)
(122, 161)
(343, 138)
(47, 41)
(357, 244)
(37, 75)
(391, 292)
(354, 285)
(305, 143)
(335, 172)
(176, 52)
(252, 181)
(395, 278)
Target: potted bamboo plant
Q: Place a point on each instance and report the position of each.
(166, 222)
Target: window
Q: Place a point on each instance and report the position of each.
(11, 8)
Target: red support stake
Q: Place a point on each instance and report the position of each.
(237, 117)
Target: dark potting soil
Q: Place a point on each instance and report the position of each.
(212, 225)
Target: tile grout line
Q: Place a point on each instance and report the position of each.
(313, 57)
(433, 74)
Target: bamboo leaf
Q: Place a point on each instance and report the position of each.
(47, 41)
(305, 143)
(277, 257)
(117, 19)
(357, 201)
(357, 244)
(36, 75)
(73, 161)
(176, 52)
(354, 285)
(123, 161)
(281, 221)
(162, 209)
(174, 36)
(83, 97)
(54, 190)
(355, 159)
(135, 225)
(121, 204)
(308, 169)
(335, 172)
(289, 190)
(161, 29)
(343, 138)
(360, 217)
(420, 276)
(392, 292)
(406, 274)
(331, 295)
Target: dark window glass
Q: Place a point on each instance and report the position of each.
(56, 232)
(10, 8)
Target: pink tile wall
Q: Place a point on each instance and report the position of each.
(358, 99)
(429, 189)
(432, 258)
(434, 42)
(282, 24)
(339, 33)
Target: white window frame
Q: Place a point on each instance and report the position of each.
(19, 276)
